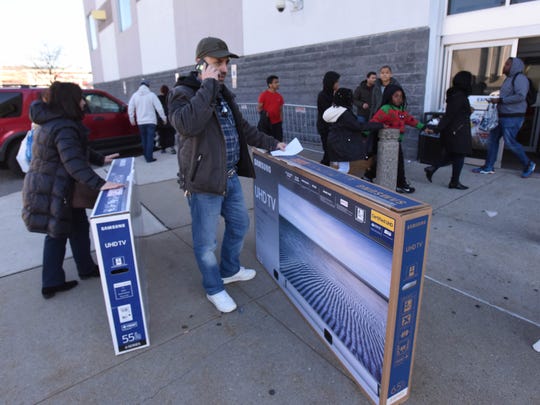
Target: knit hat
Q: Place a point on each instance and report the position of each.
(144, 82)
(214, 47)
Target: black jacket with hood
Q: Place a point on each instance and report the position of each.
(325, 99)
(202, 156)
(60, 156)
(346, 139)
(455, 125)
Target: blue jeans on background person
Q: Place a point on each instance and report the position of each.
(508, 128)
(147, 132)
(54, 251)
(361, 119)
(205, 212)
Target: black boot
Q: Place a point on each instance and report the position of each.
(93, 273)
(429, 172)
(457, 185)
(49, 292)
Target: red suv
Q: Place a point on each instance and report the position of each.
(106, 117)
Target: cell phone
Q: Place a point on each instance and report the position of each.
(199, 67)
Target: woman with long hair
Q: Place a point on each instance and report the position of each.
(60, 158)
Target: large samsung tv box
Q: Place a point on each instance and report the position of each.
(115, 223)
(350, 256)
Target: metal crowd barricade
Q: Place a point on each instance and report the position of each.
(299, 121)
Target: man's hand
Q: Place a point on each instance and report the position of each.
(494, 100)
(281, 146)
(110, 185)
(428, 131)
(365, 106)
(110, 158)
(210, 72)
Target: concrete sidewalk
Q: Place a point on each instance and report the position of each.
(480, 312)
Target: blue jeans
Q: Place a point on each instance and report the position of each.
(148, 132)
(54, 251)
(205, 212)
(361, 119)
(508, 128)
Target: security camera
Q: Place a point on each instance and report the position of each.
(280, 5)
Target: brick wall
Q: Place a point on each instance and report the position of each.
(301, 69)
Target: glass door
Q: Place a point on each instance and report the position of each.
(529, 51)
(485, 60)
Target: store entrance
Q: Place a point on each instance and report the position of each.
(485, 61)
(529, 51)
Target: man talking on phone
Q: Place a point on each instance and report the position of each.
(213, 152)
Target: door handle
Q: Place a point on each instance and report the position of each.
(99, 119)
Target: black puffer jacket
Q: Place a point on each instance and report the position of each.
(202, 153)
(60, 156)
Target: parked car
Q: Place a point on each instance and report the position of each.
(106, 117)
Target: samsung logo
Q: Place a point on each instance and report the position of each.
(263, 166)
(110, 227)
(416, 224)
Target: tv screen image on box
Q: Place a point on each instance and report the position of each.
(338, 289)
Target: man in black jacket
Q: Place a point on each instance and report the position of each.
(363, 95)
(213, 152)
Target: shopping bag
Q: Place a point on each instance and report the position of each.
(490, 119)
(25, 151)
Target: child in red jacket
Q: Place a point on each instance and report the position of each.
(392, 113)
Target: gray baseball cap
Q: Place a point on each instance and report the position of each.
(214, 47)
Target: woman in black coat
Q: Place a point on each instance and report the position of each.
(60, 157)
(455, 129)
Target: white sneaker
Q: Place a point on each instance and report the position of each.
(222, 301)
(242, 275)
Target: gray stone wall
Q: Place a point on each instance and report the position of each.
(301, 69)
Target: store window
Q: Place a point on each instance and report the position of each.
(484, 63)
(463, 6)
(124, 9)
